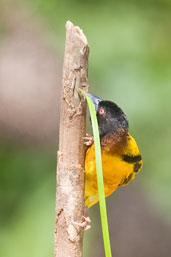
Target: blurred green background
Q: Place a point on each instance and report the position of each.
(130, 63)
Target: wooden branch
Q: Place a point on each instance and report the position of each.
(70, 166)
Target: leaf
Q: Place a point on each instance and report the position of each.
(99, 171)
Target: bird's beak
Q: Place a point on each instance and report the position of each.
(95, 100)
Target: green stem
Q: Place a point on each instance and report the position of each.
(99, 171)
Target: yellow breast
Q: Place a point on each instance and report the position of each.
(116, 171)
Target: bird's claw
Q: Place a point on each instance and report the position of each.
(85, 224)
(88, 139)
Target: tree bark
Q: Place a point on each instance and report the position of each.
(70, 163)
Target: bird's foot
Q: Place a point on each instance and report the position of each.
(88, 139)
(85, 224)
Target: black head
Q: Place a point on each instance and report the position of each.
(110, 117)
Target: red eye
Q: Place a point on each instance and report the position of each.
(101, 111)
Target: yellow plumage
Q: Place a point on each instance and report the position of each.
(116, 170)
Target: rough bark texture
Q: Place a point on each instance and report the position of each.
(70, 163)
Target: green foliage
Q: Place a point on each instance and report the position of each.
(27, 198)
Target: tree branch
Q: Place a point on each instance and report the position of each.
(70, 169)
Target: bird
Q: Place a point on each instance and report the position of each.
(121, 158)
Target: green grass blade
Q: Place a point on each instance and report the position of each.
(99, 171)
